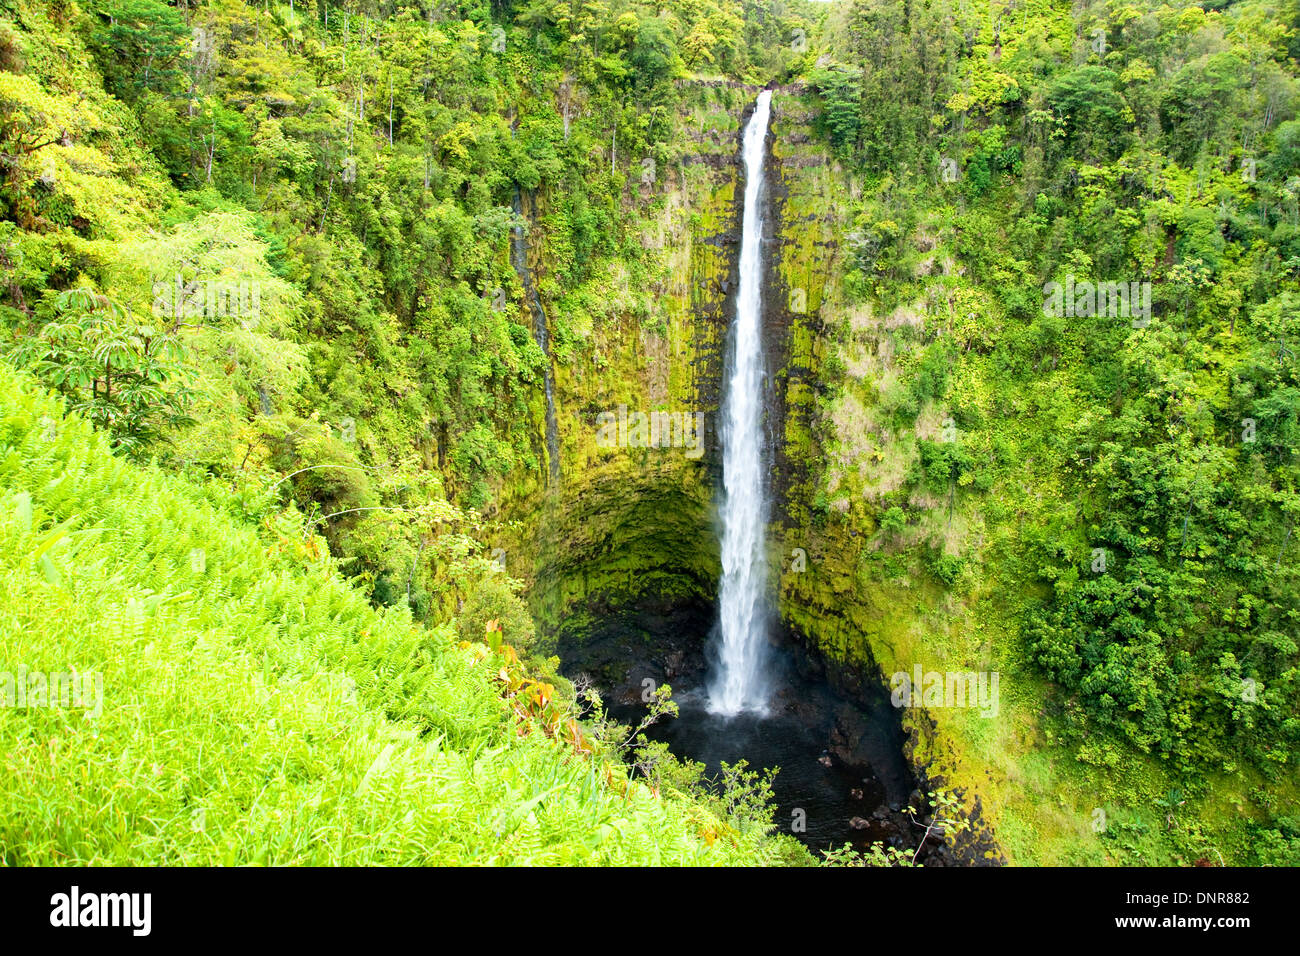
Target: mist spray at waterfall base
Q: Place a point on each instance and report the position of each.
(740, 683)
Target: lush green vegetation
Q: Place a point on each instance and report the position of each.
(265, 250)
(357, 165)
(257, 709)
(1124, 489)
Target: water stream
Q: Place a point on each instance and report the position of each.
(519, 256)
(740, 681)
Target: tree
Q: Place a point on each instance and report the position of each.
(139, 49)
(492, 598)
(121, 376)
(654, 54)
(841, 92)
(1092, 109)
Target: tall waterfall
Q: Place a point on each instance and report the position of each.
(740, 683)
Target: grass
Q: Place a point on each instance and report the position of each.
(255, 708)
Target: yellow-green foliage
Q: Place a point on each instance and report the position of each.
(255, 708)
(953, 484)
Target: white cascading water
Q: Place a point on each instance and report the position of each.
(740, 683)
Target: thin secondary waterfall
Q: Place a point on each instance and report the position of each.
(519, 254)
(740, 683)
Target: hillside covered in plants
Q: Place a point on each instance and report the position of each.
(319, 321)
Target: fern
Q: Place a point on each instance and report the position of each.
(256, 708)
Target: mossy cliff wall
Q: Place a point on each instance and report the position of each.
(627, 534)
(630, 527)
(863, 611)
(865, 552)
(822, 596)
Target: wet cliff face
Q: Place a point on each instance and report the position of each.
(627, 532)
(628, 528)
(621, 554)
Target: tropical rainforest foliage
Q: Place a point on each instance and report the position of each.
(271, 254)
(1136, 474)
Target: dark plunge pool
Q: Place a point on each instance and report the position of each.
(841, 778)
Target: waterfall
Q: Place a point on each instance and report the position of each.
(740, 683)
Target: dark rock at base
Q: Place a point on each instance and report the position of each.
(674, 663)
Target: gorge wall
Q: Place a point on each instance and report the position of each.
(625, 544)
(627, 530)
